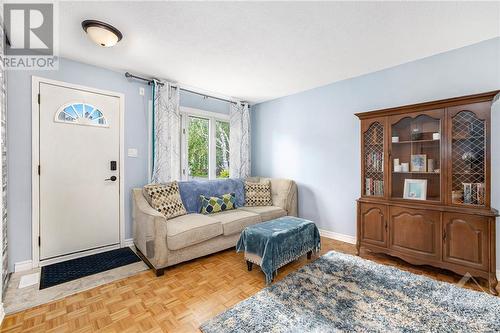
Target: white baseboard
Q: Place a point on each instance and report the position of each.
(23, 266)
(128, 242)
(337, 236)
(2, 313)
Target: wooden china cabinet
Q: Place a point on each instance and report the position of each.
(425, 175)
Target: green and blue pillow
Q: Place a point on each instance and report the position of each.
(211, 205)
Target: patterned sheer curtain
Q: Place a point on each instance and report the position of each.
(166, 133)
(239, 140)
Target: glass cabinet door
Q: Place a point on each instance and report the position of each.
(373, 160)
(468, 156)
(416, 157)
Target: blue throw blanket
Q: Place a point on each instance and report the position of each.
(275, 243)
(192, 189)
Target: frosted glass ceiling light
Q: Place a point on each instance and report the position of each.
(102, 33)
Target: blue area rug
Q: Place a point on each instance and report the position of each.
(74, 269)
(340, 292)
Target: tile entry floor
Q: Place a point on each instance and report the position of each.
(17, 299)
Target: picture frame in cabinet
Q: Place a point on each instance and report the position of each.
(418, 163)
(415, 189)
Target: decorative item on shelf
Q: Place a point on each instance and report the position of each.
(480, 194)
(467, 193)
(374, 187)
(436, 136)
(468, 158)
(416, 134)
(430, 165)
(376, 134)
(405, 167)
(473, 193)
(395, 139)
(418, 163)
(375, 161)
(397, 166)
(472, 128)
(415, 189)
(457, 196)
(437, 170)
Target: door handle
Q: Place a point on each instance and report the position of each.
(112, 178)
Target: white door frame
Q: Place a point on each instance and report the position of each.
(35, 158)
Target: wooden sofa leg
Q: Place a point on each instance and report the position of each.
(158, 272)
(249, 265)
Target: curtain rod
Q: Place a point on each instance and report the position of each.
(150, 81)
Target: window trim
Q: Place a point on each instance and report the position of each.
(212, 117)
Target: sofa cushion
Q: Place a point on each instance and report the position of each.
(211, 205)
(165, 198)
(191, 229)
(258, 194)
(233, 222)
(192, 189)
(266, 212)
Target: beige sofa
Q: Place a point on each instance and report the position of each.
(162, 243)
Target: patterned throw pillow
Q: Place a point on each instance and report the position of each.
(258, 194)
(166, 199)
(217, 204)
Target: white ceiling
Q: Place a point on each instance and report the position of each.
(258, 51)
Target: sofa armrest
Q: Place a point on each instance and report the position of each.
(292, 201)
(284, 193)
(150, 230)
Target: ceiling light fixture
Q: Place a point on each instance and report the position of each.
(102, 33)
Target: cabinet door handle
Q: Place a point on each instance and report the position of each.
(385, 225)
(444, 235)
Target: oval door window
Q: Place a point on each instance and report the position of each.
(81, 114)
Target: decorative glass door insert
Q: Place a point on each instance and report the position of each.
(374, 160)
(468, 159)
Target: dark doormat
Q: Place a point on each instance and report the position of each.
(65, 271)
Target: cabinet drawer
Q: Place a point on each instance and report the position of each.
(373, 224)
(466, 240)
(415, 232)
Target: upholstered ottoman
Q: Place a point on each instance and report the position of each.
(277, 242)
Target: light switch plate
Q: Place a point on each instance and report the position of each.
(141, 91)
(132, 152)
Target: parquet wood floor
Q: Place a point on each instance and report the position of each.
(179, 301)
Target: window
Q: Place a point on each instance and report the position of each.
(205, 146)
(222, 149)
(81, 114)
(198, 147)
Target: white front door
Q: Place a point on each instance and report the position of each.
(79, 168)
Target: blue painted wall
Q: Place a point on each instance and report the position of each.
(313, 136)
(199, 102)
(19, 139)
